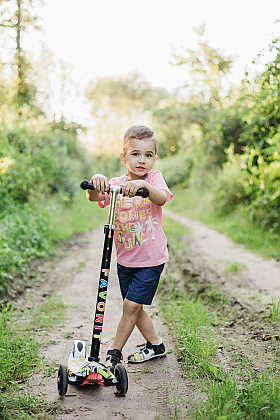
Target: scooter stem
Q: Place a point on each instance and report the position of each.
(104, 277)
(113, 202)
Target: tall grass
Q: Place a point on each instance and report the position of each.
(18, 407)
(19, 351)
(239, 394)
(255, 399)
(189, 322)
(20, 358)
(24, 235)
(27, 233)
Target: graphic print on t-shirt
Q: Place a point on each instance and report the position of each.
(135, 226)
(139, 238)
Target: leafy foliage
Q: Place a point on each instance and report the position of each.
(183, 165)
(16, 17)
(23, 236)
(116, 104)
(38, 159)
(228, 190)
(262, 138)
(207, 67)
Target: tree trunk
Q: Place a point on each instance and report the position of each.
(18, 29)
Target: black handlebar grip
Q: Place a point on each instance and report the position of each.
(143, 192)
(87, 185)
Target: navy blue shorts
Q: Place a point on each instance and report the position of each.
(139, 284)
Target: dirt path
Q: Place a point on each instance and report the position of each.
(157, 390)
(255, 285)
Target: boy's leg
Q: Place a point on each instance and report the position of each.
(125, 328)
(154, 347)
(146, 327)
(127, 323)
(133, 282)
(134, 314)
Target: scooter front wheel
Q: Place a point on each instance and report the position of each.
(62, 380)
(122, 384)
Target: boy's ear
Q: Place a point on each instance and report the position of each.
(156, 158)
(122, 155)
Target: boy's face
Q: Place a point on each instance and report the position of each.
(139, 158)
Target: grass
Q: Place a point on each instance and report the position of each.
(274, 308)
(174, 232)
(47, 315)
(18, 346)
(235, 268)
(17, 407)
(228, 395)
(189, 322)
(79, 216)
(25, 235)
(238, 393)
(20, 358)
(18, 351)
(188, 319)
(237, 225)
(31, 232)
(257, 398)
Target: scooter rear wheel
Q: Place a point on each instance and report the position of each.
(122, 384)
(62, 380)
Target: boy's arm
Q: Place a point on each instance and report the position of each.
(101, 185)
(157, 196)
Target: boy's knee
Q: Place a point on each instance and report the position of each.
(131, 308)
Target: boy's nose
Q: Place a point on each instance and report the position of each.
(141, 158)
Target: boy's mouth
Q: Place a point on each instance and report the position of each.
(140, 168)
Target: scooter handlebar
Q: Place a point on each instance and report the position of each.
(87, 185)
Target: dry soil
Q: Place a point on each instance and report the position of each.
(157, 389)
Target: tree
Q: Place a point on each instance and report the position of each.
(207, 69)
(199, 100)
(261, 135)
(15, 19)
(117, 103)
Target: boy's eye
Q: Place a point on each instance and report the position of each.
(135, 154)
(148, 155)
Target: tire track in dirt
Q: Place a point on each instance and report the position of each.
(255, 286)
(156, 388)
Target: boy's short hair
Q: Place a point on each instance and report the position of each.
(138, 132)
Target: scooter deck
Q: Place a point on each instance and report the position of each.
(82, 372)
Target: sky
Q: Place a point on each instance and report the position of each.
(117, 37)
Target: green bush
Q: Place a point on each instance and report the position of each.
(23, 236)
(263, 180)
(37, 157)
(228, 190)
(176, 169)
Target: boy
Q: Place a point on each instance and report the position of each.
(140, 242)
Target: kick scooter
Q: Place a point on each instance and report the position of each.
(82, 368)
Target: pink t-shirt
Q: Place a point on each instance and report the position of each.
(139, 238)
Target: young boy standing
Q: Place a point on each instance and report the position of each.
(141, 244)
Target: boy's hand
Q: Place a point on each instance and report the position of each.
(157, 196)
(130, 188)
(100, 183)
